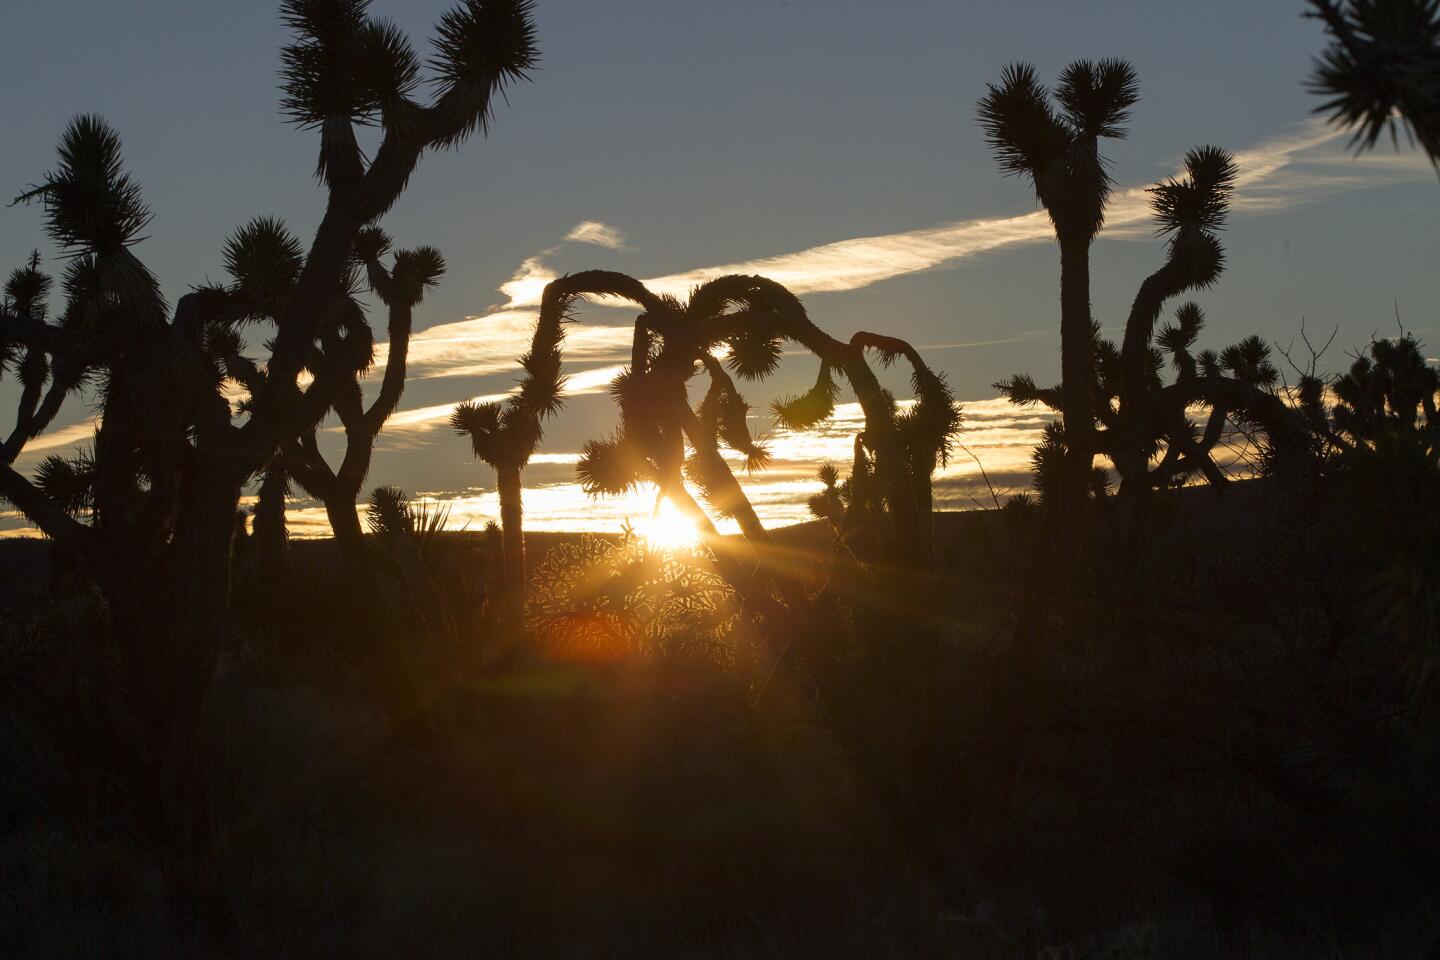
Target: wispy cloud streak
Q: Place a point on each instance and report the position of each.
(1280, 173)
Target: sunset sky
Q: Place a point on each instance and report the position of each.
(828, 144)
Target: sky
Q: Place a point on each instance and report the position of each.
(829, 144)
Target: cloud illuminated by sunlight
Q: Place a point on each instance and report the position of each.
(1283, 172)
(598, 234)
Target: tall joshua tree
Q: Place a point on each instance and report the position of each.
(1052, 139)
(170, 457)
(1127, 412)
(400, 288)
(1382, 69)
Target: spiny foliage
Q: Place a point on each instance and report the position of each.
(346, 68)
(1053, 144)
(68, 481)
(498, 432)
(1190, 210)
(91, 202)
(480, 47)
(391, 513)
(1248, 363)
(1387, 400)
(171, 453)
(596, 600)
(1382, 69)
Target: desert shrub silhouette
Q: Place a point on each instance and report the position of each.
(597, 600)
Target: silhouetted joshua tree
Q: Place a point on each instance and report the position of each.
(505, 436)
(170, 459)
(1053, 141)
(1378, 432)
(400, 288)
(1382, 70)
(1384, 406)
(1130, 413)
(45, 381)
(748, 319)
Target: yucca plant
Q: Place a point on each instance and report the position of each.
(400, 288)
(1052, 138)
(1380, 427)
(745, 321)
(1113, 400)
(505, 436)
(1162, 446)
(407, 538)
(45, 379)
(170, 455)
(597, 600)
(1382, 69)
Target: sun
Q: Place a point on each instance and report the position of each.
(668, 529)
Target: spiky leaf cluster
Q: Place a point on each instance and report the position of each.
(1382, 69)
(499, 433)
(69, 482)
(1390, 391)
(1249, 362)
(611, 466)
(342, 65)
(264, 260)
(1056, 148)
(91, 203)
(1191, 209)
(805, 410)
(1180, 336)
(479, 48)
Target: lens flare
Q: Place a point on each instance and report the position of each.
(668, 528)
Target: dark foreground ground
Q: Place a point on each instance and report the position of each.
(1204, 743)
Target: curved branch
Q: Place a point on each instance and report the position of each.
(40, 510)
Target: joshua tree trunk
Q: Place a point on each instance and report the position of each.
(1129, 452)
(269, 525)
(1076, 365)
(349, 535)
(511, 524)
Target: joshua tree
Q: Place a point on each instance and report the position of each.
(505, 437)
(1382, 69)
(1055, 145)
(44, 384)
(400, 288)
(1378, 433)
(170, 459)
(1385, 406)
(1128, 414)
(750, 318)
(1235, 384)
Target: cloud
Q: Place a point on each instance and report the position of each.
(597, 233)
(406, 426)
(46, 443)
(1283, 172)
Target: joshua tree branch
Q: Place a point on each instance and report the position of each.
(40, 510)
(393, 383)
(25, 422)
